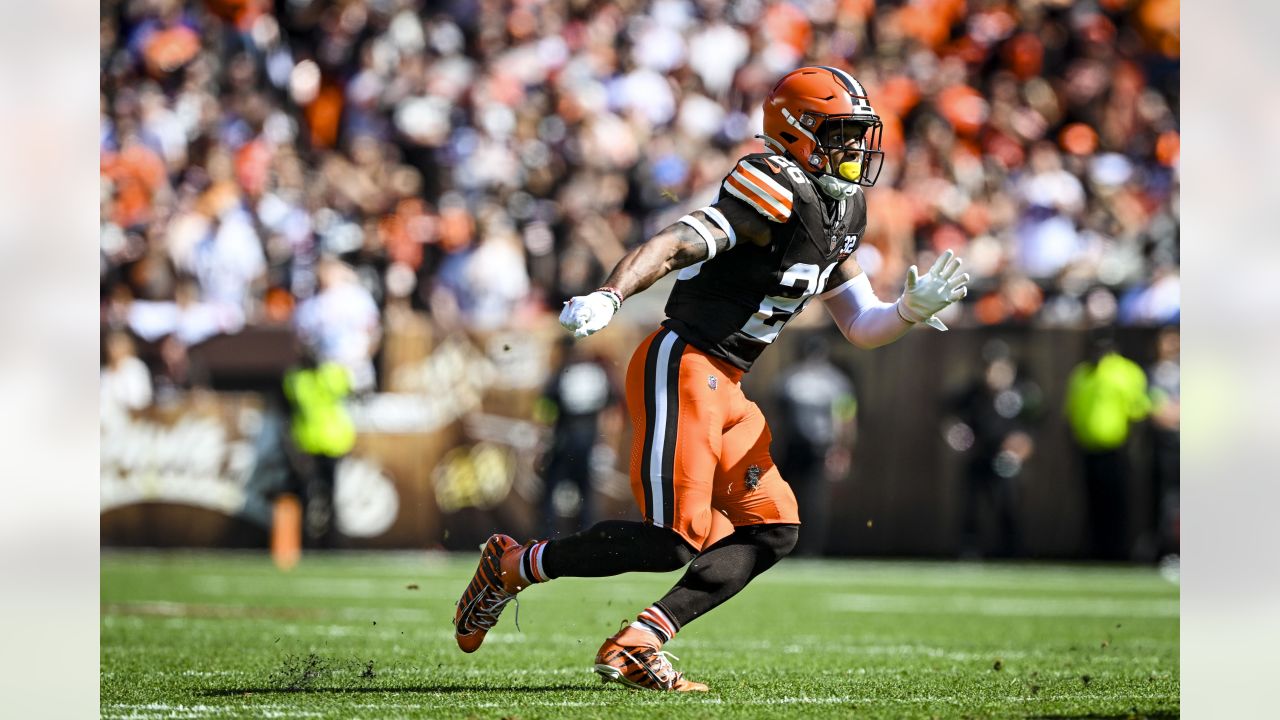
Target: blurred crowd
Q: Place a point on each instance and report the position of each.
(324, 163)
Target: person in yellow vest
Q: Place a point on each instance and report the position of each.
(323, 433)
(1106, 394)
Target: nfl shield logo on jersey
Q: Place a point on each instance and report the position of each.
(711, 381)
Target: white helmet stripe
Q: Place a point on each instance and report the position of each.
(851, 83)
(793, 122)
(858, 90)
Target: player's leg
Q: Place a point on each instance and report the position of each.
(610, 547)
(724, 569)
(614, 547)
(752, 494)
(663, 411)
(676, 490)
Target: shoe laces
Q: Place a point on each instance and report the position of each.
(657, 663)
(488, 605)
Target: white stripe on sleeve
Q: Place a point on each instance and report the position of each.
(721, 222)
(768, 214)
(764, 180)
(701, 228)
(761, 196)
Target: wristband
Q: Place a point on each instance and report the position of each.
(614, 294)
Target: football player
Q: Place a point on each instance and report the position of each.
(782, 231)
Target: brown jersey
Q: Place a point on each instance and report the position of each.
(734, 305)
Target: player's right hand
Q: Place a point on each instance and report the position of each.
(938, 288)
(587, 314)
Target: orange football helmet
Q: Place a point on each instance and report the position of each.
(814, 110)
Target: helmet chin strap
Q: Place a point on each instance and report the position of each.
(834, 187)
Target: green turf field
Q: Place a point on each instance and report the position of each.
(369, 636)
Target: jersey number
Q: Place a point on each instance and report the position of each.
(799, 283)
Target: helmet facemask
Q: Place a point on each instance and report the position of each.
(856, 138)
(816, 112)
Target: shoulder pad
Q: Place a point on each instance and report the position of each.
(767, 183)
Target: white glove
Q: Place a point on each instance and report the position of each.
(587, 314)
(927, 295)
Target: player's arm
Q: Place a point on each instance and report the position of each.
(869, 322)
(699, 236)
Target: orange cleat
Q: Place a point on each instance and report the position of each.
(495, 583)
(636, 659)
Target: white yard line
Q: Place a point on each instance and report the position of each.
(977, 580)
(609, 697)
(951, 604)
(165, 710)
(240, 611)
(327, 587)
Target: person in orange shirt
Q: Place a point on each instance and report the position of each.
(138, 175)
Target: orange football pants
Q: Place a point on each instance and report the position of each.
(700, 461)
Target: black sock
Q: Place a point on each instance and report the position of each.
(614, 547)
(725, 568)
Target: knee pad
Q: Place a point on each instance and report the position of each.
(776, 540)
(730, 564)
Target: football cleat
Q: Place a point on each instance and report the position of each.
(495, 583)
(636, 659)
